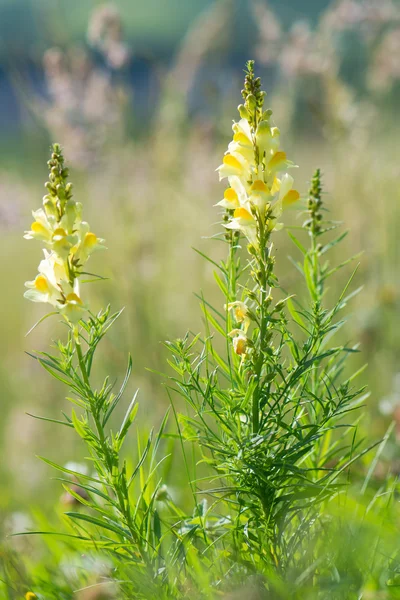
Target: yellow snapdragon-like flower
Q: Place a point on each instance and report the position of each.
(234, 164)
(42, 227)
(242, 142)
(245, 222)
(241, 313)
(51, 283)
(87, 243)
(255, 162)
(72, 308)
(240, 341)
(69, 244)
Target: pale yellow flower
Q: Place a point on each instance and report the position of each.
(245, 222)
(278, 162)
(267, 138)
(287, 195)
(73, 308)
(87, 244)
(42, 227)
(259, 195)
(235, 196)
(242, 142)
(234, 164)
(241, 313)
(61, 242)
(51, 282)
(230, 200)
(240, 341)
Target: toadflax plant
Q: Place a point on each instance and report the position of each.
(118, 498)
(269, 407)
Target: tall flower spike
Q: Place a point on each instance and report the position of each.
(255, 163)
(68, 244)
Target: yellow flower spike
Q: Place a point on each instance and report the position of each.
(256, 170)
(30, 596)
(59, 225)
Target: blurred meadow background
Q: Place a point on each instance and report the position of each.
(141, 95)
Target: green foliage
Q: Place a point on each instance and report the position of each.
(267, 426)
(276, 466)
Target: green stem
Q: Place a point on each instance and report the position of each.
(263, 329)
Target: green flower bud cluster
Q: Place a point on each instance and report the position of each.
(253, 96)
(59, 190)
(315, 204)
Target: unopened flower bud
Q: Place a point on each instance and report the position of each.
(60, 191)
(251, 102)
(50, 208)
(243, 112)
(50, 187)
(266, 114)
(280, 305)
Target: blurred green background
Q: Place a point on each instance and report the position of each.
(142, 96)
